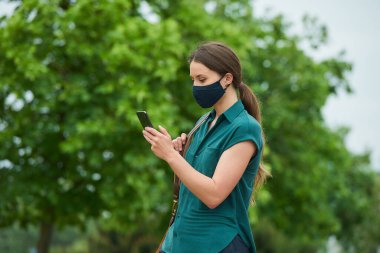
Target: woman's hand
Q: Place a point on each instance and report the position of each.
(179, 142)
(161, 142)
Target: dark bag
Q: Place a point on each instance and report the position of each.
(177, 181)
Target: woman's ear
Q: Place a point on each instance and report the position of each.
(229, 78)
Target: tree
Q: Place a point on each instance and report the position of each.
(70, 136)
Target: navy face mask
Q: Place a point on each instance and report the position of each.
(206, 96)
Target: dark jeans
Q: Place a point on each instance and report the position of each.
(237, 245)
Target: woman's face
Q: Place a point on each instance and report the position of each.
(201, 75)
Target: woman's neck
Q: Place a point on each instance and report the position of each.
(229, 98)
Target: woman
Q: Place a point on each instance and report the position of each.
(223, 162)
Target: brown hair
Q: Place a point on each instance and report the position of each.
(221, 59)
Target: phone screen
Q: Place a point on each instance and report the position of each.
(144, 119)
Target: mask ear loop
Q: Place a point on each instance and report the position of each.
(228, 85)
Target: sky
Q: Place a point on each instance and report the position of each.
(353, 26)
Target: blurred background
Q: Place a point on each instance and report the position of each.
(77, 176)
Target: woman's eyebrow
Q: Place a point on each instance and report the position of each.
(199, 75)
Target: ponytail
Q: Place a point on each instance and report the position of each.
(252, 105)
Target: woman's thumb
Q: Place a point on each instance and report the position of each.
(163, 130)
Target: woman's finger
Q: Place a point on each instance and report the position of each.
(153, 131)
(175, 145)
(147, 138)
(148, 134)
(164, 131)
(179, 143)
(183, 138)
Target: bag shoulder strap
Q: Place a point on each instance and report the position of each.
(191, 133)
(177, 181)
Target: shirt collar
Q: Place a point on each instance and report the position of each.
(231, 113)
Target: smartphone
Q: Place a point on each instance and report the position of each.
(144, 119)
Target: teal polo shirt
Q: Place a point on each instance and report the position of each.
(198, 228)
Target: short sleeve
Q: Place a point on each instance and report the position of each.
(251, 131)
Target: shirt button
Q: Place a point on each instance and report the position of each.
(175, 234)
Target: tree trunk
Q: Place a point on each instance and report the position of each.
(46, 232)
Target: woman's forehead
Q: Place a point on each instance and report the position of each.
(197, 68)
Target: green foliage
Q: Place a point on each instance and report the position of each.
(73, 73)
(16, 240)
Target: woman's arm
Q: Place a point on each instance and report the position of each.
(211, 191)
